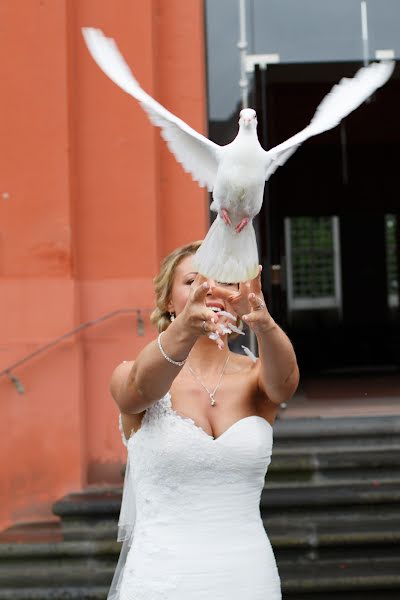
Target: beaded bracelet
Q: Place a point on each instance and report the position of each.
(178, 363)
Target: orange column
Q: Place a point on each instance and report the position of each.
(38, 292)
(91, 202)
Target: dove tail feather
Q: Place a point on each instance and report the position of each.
(228, 256)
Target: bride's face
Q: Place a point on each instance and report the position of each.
(183, 280)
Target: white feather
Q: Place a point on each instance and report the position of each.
(226, 255)
(197, 154)
(225, 329)
(344, 97)
(236, 329)
(225, 313)
(249, 353)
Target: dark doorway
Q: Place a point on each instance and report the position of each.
(334, 207)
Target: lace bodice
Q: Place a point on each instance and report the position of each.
(196, 501)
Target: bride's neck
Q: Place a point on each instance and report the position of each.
(205, 356)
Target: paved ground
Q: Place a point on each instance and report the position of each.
(342, 394)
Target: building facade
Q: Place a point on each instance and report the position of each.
(91, 201)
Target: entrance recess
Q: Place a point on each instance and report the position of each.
(329, 230)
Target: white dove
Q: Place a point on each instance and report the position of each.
(235, 173)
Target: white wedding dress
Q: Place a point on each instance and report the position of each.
(190, 515)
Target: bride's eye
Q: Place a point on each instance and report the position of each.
(189, 281)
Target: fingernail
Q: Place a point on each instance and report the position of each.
(205, 285)
(245, 317)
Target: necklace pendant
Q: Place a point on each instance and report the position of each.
(212, 400)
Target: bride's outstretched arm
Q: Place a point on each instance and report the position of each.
(278, 375)
(152, 373)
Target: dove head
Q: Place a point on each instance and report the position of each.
(248, 118)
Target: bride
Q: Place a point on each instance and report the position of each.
(197, 421)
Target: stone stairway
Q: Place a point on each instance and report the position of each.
(330, 506)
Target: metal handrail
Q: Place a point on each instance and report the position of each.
(139, 327)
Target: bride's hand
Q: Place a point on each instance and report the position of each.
(248, 302)
(196, 317)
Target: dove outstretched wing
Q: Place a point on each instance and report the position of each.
(198, 155)
(344, 97)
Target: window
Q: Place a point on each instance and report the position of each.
(313, 263)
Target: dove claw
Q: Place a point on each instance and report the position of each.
(242, 224)
(225, 216)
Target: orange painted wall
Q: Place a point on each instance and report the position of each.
(90, 201)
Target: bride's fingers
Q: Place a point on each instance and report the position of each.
(200, 291)
(224, 294)
(199, 279)
(256, 302)
(244, 287)
(255, 284)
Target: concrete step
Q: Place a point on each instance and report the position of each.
(55, 593)
(67, 564)
(356, 432)
(92, 514)
(98, 502)
(341, 575)
(286, 495)
(319, 544)
(335, 534)
(78, 564)
(105, 503)
(41, 531)
(15, 553)
(100, 593)
(362, 513)
(64, 573)
(306, 461)
(376, 594)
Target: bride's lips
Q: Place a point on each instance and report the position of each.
(215, 305)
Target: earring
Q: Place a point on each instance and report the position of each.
(171, 317)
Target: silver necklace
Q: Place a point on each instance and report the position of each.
(211, 394)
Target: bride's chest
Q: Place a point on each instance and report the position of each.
(213, 410)
(175, 448)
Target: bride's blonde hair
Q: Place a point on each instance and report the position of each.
(160, 317)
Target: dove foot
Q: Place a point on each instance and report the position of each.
(225, 216)
(242, 224)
